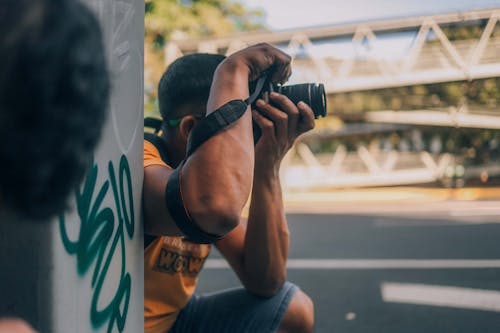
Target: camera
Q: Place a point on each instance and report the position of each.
(313, 94)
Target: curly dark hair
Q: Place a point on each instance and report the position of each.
(54, 89)
(186, 80)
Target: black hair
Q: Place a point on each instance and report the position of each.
(187, 80)
(54, 89)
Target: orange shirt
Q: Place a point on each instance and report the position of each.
(171, 267)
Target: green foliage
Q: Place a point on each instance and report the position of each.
(183, 19)
(170, 18)
(484, 94)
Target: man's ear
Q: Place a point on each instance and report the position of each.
(186, 125)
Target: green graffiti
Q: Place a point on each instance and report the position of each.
(101, 236)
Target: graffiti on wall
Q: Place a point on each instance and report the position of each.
(99, 234)
(103, 230)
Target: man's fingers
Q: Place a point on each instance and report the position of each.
(280, 63)
(306, 119)
(282, 67)
(264, 57)
(278, 117)
(287, 106)
(266, 126)
(284, 104)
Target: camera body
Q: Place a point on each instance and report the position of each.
(313, 94)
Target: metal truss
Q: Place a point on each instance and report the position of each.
(361, 168)
(371, 165)
(458, 117)
(422, 62)
(368, 168)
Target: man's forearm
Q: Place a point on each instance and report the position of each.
(217, 179)
(267, 236)
(230, 82)
(218, 176)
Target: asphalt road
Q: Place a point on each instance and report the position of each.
(393, 268)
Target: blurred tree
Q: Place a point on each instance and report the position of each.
(166, 19)
(478, 94)
(197, 18)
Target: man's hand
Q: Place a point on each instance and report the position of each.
(233, 74)
(280, 123)
(261, 57)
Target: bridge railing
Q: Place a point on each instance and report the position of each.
(360, 56)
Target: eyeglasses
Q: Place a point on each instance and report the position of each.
(174, 122)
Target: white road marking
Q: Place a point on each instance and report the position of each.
(444, 296)
(476, 213)
(437, 221)
(375, 263)
(350, 316)
(426, 209)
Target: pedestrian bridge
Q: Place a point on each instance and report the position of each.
(378, 54)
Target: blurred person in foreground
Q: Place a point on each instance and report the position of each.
(217, 180)
(54, 89)
(14, 325)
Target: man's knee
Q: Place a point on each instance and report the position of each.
(299, 317)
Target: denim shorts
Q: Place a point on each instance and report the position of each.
(234, 311)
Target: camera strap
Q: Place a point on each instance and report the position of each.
(258, 89)
(221, 118)
(215, 122)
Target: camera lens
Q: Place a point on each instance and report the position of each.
(313, 94)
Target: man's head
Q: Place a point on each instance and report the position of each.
(54, 89)
(184, 89)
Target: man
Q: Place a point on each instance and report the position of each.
(257, 248)
(54, 89)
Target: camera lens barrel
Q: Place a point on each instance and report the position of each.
(313, 94)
